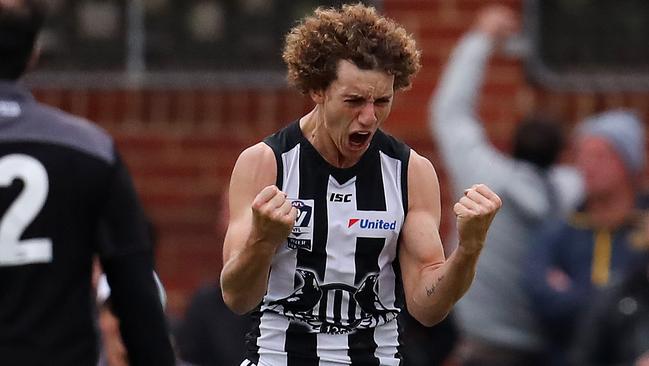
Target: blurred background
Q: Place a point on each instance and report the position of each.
(184, 86)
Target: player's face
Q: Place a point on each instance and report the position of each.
(354, 106)
(602, 167)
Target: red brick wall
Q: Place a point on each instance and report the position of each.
(181, 145)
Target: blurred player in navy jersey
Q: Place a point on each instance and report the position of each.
(64, 196)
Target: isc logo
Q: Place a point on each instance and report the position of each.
(339, 197)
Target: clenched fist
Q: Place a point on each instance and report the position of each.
(273, 216)
(474, 213)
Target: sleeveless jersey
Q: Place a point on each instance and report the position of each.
(334, 289)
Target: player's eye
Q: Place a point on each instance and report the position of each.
(354, 101)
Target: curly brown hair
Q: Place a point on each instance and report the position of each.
(355, 33)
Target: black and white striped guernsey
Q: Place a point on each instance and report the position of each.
(334, 288)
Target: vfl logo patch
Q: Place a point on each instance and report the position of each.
(377, 224)
(301, 236)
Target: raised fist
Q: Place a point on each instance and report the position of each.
(474, 213)
(273, 216)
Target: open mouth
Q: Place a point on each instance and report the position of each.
(358, 139)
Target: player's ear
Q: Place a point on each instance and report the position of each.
(318, 96)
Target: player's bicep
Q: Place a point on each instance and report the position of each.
(255, 169)
(421, 246)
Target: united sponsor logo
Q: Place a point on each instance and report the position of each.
(378, 224)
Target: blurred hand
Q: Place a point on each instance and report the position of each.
(558, 280)
(498, 21)
(643, 360)
(10, 3)
(273, 216)
(474, 213)
(113, 347)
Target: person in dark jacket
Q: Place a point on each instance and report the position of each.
(574, 259)
(65, 196)
(616, 330)
(210, 334)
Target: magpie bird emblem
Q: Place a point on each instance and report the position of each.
(334, 308)
(301, 300)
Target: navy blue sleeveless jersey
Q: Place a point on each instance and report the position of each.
(64, 196)
(334, 289)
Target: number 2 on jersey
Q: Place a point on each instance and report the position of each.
(22, 211)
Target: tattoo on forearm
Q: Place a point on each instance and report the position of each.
(431, 290)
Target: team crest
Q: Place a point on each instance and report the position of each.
(335, 308)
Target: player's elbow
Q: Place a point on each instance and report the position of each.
(236, 296)
(236, 303)
(430, 318)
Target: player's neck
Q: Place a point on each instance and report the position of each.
(313, 129)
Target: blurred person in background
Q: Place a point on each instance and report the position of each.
(427, 346)
(573, 259)
(65, 195)
(333, 223)
(112, 350)
(210, 334)
(495, 318)
(615, 330)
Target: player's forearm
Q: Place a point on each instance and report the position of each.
(244, 278)
(440, 288)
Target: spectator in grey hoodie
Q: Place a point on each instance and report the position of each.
(495, 319)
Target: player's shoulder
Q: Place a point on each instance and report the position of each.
(74, 132)
(420, 169)
(82, 127)
(258, 153)
(257, 161)
(286, 138)
(255, 168)
(419, 161)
